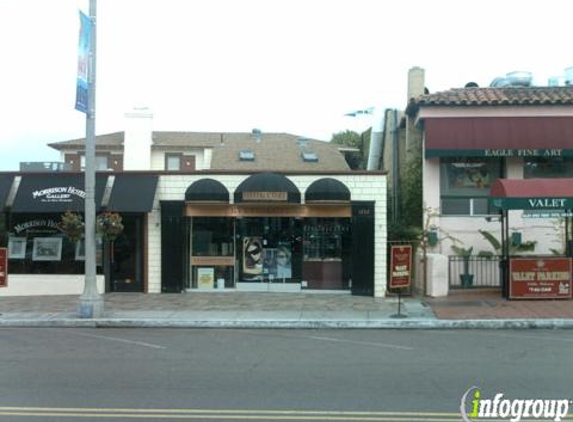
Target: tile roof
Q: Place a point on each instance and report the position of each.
(509, 96)
(275, 151)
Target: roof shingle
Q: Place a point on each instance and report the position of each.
(509, 96)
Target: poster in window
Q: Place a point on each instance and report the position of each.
(206, 278)
(81, 250)
(47, 249)
(17, 247)
(252, 256)
(469, 175)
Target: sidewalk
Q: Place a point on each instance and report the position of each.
(467, 309)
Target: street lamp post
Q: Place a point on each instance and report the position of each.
(91, 302)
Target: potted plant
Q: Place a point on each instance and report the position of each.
(109, 225)
(72, 226)
(466, 278)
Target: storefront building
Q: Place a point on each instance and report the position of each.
(202, 231)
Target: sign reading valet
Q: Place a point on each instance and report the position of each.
(3, 267)
(540, 278)
(400, 266)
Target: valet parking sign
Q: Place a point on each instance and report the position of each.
(400, 266)
(540, 278)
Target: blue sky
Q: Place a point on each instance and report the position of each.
(292, 66)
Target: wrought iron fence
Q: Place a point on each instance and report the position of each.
(473, 271)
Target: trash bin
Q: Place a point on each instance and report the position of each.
(220, 283)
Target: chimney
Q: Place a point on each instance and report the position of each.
(416, 82)
(138, 139)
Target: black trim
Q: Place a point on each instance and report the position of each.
(70, 197)
(207, 190)
(132, 193)
(327, 189)
(5, 186)
(268, 182)
(173, 241)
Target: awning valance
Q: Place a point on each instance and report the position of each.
(55, 192)
(5, 186)
(133, 193)
(267, 187)
(532, 194)
(327, 189)
(499, 136)
(207, 190)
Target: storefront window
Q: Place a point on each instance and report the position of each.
(465, 184)
(554, 167)
(36, 246)
(326, 253)
(212, 236)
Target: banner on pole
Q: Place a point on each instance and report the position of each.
(83, 63)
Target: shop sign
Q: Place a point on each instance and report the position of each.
(34, 224)
(3, 267)
(59, 194)
(264, 196)
(400, 266)
(540, 278)
(205, 278)
(523, 152)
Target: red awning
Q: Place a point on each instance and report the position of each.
(532, 194)
(532, 188)
(480, 133)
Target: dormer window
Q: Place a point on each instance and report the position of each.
(309, 157)
(246, 155)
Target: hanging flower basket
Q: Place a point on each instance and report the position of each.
(109, 225)
(72, 226)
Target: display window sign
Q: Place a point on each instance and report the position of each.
(205, 278)
(3, 267)
(400, 266)
(540, 278)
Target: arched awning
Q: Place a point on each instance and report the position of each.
(327, 190)
(267, 187)
(207, 190)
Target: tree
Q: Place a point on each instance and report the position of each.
(351, 139)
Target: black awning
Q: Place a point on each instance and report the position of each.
(327, 189)
(5, 186)
(55, 192)
(133, 193)
(267, 187)
(207, 190)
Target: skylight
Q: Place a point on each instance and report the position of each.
(246, 155)
(309, 156)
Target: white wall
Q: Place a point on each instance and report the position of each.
(47, 285)
(158, 158)
(362, 187)
(138, 139)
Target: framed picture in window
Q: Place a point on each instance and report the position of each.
(17, 247)
(47, 249)
(81, 250)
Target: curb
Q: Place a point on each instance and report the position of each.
(413, 324)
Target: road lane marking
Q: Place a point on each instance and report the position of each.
(365, 343)
(226, 414)
(121, 340)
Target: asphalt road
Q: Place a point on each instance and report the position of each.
(324, 375)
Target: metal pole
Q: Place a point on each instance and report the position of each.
(91, 302)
